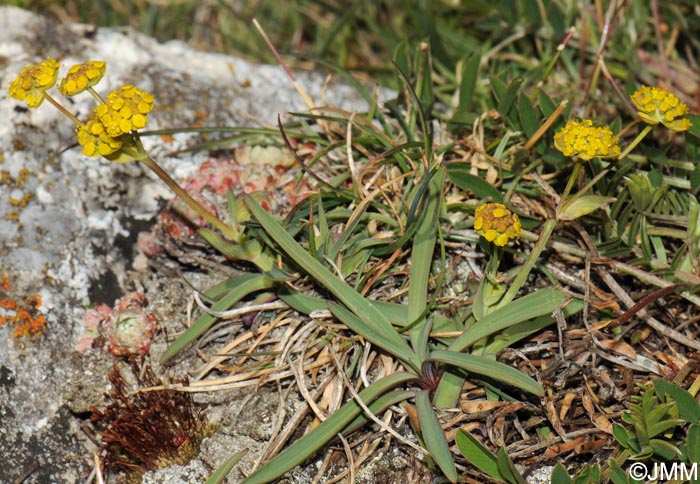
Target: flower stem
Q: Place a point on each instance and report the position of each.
(524, 272)
(570, 183)
(187, 198)
(63, 110)
(635, 142)
(96, 95)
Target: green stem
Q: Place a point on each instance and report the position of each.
(524, 272)
(635, 142)
(63, 110)
(96, 95)
(570, 183)
(187, 198)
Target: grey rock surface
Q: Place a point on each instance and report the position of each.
(71, 238)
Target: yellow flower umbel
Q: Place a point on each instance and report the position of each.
(125, 110)
(94, 140)
(111, 124)
(81, 77)
(33, 81)
(585, 141)
(496, 223)
(655, 105)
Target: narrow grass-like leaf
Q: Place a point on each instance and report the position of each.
(521, 330)
(433, 435)
(460, 176)
(363, 309)
(478, 455)
(240, 287)
(489, 368)
(309, 444)
(220, 474)
(470, 74)
(394, 345)
(421, 262)
(538, 303)
(395, 313)
(378, 407)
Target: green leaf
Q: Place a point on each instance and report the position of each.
(395, 346)
(617, 475)
(519, 331)
(507, 100)
(309, 444)
(378, 406)
(692, 452)
(239, 288)
(579, 206)
(664, 449)
(460, 176)
(538, 303)
(363, 309)
(688, 407)
(489, 368)
(433, 435)
(249, 250)
(560, 475)
(528, 116)
(478, 455)
(621, 435)
(470, 75)
(507, 468)
(220, 474)
(421, 262)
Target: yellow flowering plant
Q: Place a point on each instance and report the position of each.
(656, 106)
(111, 132)
(498, 225)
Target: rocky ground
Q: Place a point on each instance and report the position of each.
(68, 227)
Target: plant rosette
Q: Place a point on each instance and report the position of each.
(127, 328)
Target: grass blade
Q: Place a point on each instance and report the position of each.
(363, 309)
(220, 474)
(239, 288)
(538, 303)
(489, 368)
(395, 346)
(434, 436)
(478, 455)
(307, 445)
(421, 261)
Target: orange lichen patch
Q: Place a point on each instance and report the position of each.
(23, 314)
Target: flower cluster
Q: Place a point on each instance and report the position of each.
(125, 110)
(496, 223)
(655, 105)
(104, 134)
(33, 81)
(585, 141)
(82, 76)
